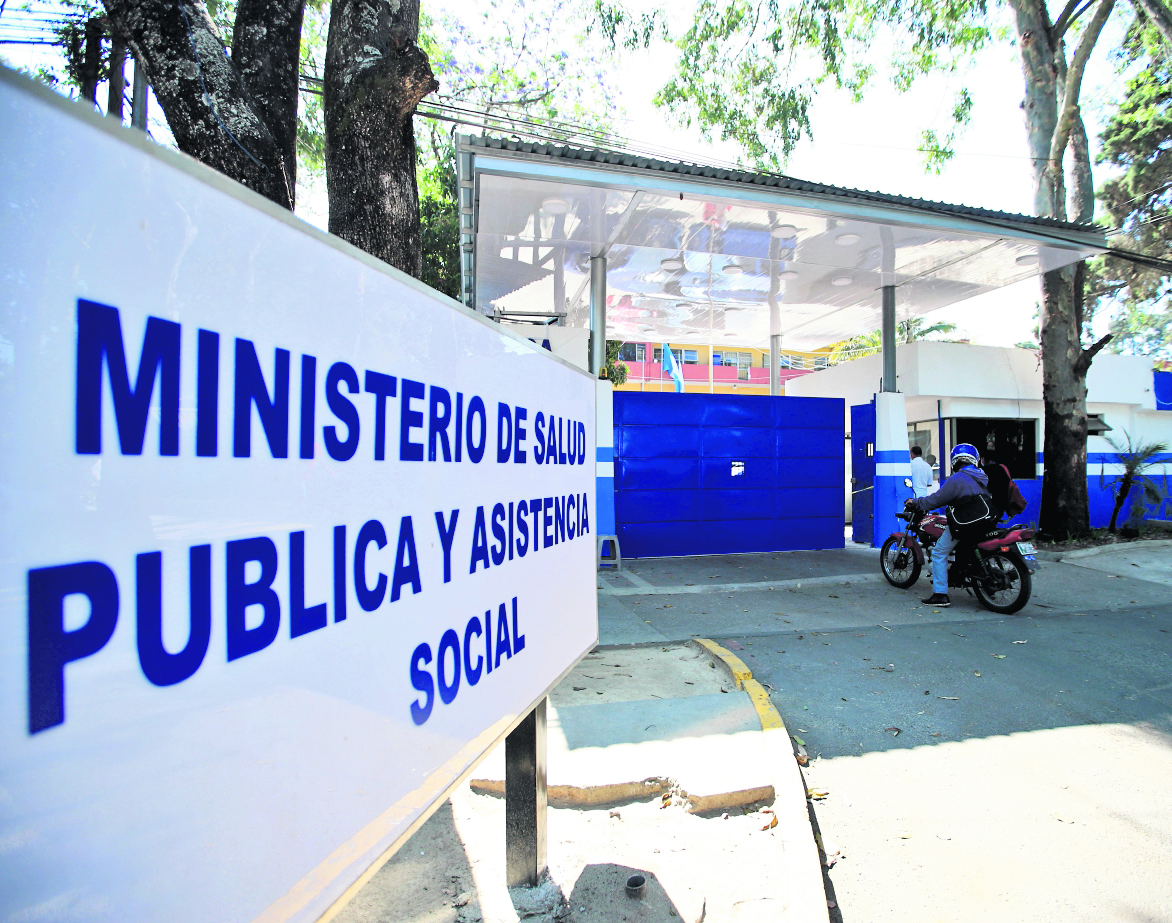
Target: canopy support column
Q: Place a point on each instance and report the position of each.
(597, 314)
(889, 372)
(775, 365)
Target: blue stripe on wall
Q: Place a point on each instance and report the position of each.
(1112, 458)
(887, 456)
(604, 453)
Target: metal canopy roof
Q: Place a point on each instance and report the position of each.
(705, 255)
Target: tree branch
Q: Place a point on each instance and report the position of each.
(1074, 74)
(1087, 356)
(1069, 15)
(1159, 14)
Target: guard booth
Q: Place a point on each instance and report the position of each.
(634, 248)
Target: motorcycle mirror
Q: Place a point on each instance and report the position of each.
(907, 482)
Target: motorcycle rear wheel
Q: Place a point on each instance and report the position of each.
(1010, 588)
(900, 566)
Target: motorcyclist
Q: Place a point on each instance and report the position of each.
(961, 493)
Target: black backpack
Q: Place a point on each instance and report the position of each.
(969, 516)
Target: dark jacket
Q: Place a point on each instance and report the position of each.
(969, 481)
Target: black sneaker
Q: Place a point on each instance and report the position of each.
(938, 599)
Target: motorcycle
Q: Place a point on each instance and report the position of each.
(998, 568)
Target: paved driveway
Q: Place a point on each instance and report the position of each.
(1026, 781)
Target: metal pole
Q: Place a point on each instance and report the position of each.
(525, 801)
(889, 338)
(597, 314)
(559, 264)
(774, 313)
(91, 66)
(775, 365)
(138, 104)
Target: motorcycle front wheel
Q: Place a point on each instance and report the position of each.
(1007, 585)
(900, 566)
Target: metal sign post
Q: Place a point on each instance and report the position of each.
(525, 800)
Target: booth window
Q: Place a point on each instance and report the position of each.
(632, 352)
(923, 434)
(1012, 443)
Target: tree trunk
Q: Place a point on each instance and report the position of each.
(1041, 96)
(1160, 15)
(209, 104)
(266, 49)
(1065, 510)
(1120, 498)
(375, 76)
(117, 79)
(91, 65)
(1048, 84)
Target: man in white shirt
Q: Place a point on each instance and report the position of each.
(921, 473)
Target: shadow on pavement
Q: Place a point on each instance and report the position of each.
(427, 881)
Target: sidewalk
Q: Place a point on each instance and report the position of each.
(665, 758)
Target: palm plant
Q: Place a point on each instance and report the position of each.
(1136, 458)
(867, 344)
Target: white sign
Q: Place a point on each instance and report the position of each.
(287, 540)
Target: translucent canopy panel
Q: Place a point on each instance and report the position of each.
(701, 259)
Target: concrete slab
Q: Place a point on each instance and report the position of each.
(635, 723)
(769, 567)
(619, 623)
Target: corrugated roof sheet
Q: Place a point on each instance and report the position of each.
(768, 180)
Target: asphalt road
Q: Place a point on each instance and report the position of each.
(978, 766)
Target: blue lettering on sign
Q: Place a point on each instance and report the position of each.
(431, 425)
(454, 661)
(436, 424)
(540, 522)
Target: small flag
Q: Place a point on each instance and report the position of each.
(672, 368)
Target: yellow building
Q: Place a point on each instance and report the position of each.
(712, 370)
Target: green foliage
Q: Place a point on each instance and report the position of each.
(748, 70)
(535, 63)
(1138, 139)
(612, 369)
(439, 221)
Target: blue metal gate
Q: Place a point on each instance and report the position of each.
(863, 471)
(723, 473)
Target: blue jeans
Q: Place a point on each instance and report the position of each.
(940, 552)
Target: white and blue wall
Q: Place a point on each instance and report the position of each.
(939, 382)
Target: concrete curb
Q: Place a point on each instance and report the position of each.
(807, 898)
